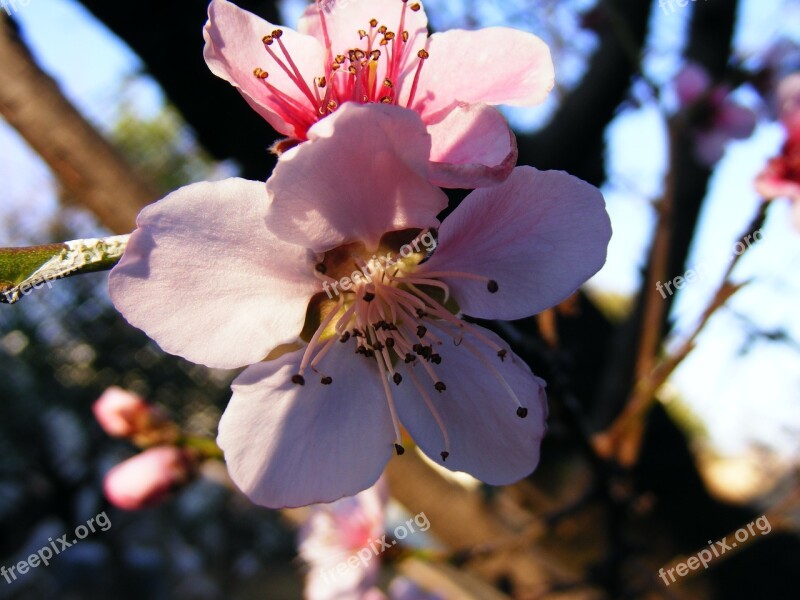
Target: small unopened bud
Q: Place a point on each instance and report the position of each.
(149, 478)
(123, 414)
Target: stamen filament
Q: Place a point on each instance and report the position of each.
(431, 407)
(317, 334)
(390, 400)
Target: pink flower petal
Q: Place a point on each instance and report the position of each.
(332, 534)
(234, 50)
(692, 82)
(487, 438)
(496, 65)
(736, 121)
(363, 172)
(473, 147)
(771, 187)
(204, 278)
(294, 445)
(539, 235)
(344, 19)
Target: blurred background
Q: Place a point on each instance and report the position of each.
(675, 417)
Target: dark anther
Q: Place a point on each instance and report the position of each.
(298, 380)
(410, 358)
(492, 286)
(327, 380)
(418, 348)
(390, 343)
(398, 379)
(369, 354)
(399, 449)
(427, 352)
(440, 386)
(345, 337)
(391, 327)
(444, 456)
(361, 350)
(502, 354)
(522, 412)
(378, 346)
(357, 333)
(421, 314)
(436, 359)
(369, 296)
(321, 268)
(381, 325)
(421, 331)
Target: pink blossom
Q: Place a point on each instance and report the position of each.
(716, 118)
(148, 478)
(378, 51)
(321, 416)
(335, 533)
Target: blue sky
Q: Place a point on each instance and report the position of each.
(741, 397)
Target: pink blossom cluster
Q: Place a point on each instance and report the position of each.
(716, 117)
(379, 117)
(781, 177)
(147, 478)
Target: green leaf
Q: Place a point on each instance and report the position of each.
(23, 270)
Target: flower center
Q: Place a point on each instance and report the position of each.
(370, 73)
(399, 319)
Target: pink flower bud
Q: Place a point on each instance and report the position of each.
(691, 83)
(148, 478)
(123, 414)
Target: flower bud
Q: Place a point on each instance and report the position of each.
(123, 414)
(148, 478)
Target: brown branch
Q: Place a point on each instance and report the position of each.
(654, 307)
(622, 440)
(85, 163)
